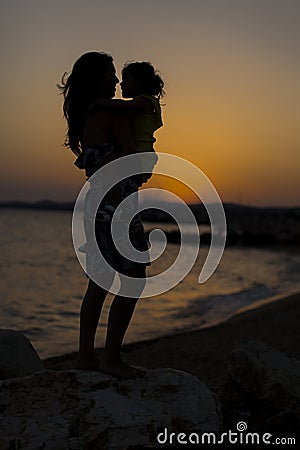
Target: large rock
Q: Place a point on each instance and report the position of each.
(267, 375)
(262, 389)
(79, 410)
(17, 355)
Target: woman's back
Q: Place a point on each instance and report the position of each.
(97, 130)
(110, 127)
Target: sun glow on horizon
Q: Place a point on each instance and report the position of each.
(231, 75)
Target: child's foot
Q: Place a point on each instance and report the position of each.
(120, 369)
(109, 209)
(82, 248)
(102, 216)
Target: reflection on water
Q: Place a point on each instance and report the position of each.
(43, 283)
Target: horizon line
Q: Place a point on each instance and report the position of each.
(70, 203)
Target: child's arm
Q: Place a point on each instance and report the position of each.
(140, 104)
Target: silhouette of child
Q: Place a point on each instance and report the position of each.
(144, 86)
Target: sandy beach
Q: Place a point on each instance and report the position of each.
(205, 352)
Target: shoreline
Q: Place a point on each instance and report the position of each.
(205, 352)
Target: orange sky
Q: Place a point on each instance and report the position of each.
(232, 80)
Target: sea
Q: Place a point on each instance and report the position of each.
(42, 284)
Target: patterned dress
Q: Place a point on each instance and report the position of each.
(91, 160)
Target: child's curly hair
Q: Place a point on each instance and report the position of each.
(143, 73)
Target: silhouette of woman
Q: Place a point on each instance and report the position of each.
(97, 137)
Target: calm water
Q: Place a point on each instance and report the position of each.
(43, 283)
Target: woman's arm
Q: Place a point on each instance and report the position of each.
(122, 134)
(124, 140)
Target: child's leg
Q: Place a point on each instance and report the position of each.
(149, 159)
(114, 197)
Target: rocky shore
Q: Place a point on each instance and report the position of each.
(242, 373)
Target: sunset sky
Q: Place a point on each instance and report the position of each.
(231, 69)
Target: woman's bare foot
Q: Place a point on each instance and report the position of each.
(120, 369)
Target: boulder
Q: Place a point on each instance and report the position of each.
(18, 358)
(79, 410)
(262, 388)
(266, 374)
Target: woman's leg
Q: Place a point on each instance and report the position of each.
(120, 314)
(89, 318)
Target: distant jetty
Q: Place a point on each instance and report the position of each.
(41, 204)
(246, 225)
